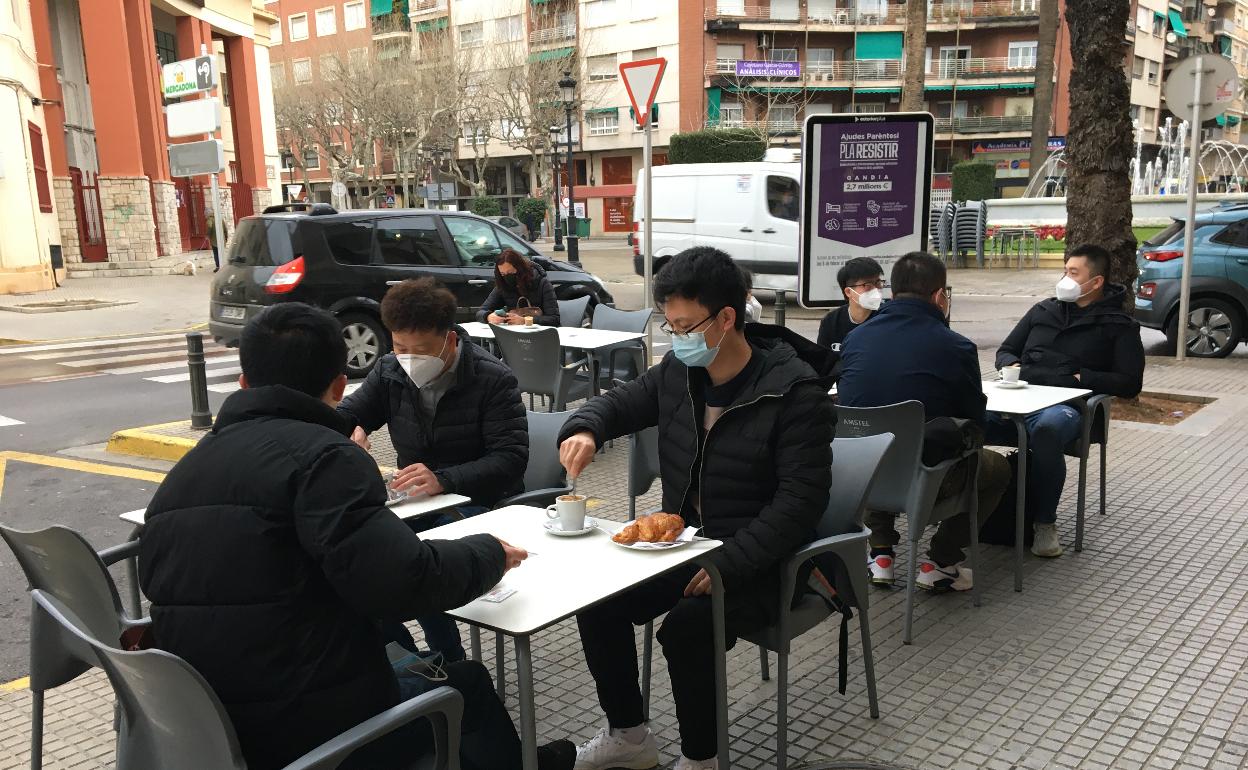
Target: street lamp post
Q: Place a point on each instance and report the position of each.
(554, 165)
(288, 163)
(433, 178)
(567, 88)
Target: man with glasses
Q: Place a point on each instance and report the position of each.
(862, 282)
(745, 426)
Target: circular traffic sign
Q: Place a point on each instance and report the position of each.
(1219, 86)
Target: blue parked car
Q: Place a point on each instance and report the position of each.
(1218, 311)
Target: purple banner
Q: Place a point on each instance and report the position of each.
(867, 182)
(768, 69)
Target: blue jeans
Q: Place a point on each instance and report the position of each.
(1049, 431)
(441, 633)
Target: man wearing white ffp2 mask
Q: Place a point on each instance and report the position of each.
(1083, 338)
(862, 282)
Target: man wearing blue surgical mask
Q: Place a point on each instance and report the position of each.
(745, 426)
(454, 413)
(1082, 338)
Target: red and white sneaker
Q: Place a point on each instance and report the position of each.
(881, 569)
(934, 578)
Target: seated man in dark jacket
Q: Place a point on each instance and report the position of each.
(453, 411)
(1084, 338)
(745, 426)
(270, 558)
(908, 353)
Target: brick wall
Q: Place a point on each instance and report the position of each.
(128, 224)
(166, 197)
(63, 191)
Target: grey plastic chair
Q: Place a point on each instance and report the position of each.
(536, 359)
(572, 311)
(908, 486)
(61, 563)
(174, 719)
(633, 353)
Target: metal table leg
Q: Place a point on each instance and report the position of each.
(1020, 425)
(721, 661)
(528, 717)
(132, 577)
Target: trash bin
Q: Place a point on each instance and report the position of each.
(582, 226)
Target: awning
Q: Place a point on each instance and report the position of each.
(877, 45)
(1225, 43)
(558, 53)
(1228, 120)
(877, 90)
(431, 26)
(981, 87)
(1176, 24)
(381, 7)
(603, 111)
(766, 90)
(713, 97)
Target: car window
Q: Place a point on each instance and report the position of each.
(510, 241)
(782, 198)
(411, 241)
(264, 242)
(508, 222)
(350, 243)
(1235, 234)
(476, 240)
(1167, 235)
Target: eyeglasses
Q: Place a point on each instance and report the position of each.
(666, 328)
(876, 284)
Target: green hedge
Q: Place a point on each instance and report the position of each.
(974, 181)
(485, 207)
(531, 211)
(725, 145)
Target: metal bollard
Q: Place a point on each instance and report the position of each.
(780, 304)
(201, 415)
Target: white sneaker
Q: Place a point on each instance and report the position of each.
(696, 764)
(610, 750)
(1046, 543)
(881, 569)
(934, 578)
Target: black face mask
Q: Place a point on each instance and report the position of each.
(509, 280)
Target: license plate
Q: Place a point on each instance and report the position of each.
(232, 313)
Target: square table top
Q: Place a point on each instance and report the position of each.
(563, 575)
(569, 336)
(407, 509)
(1029, 399)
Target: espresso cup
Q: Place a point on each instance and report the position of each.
(570, 510)
(1010, 373)
(528, 320)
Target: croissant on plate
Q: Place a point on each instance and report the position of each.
(652, 528)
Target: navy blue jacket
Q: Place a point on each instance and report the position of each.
(907, 353)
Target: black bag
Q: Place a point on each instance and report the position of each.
(998, 527)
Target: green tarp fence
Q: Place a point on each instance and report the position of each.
(558, 53)
(431, 26)
(713, 97)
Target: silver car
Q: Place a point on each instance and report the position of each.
(514, 225)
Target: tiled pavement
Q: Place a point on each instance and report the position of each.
(1131, 654)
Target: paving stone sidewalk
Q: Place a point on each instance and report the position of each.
(1131, 654)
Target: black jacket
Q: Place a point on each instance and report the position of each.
(269, 557)
(767, 467)
(907, 352)
(1101, 343)
(540, 295)
(837, 325)
(478, 444)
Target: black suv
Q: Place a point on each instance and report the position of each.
(344, 261)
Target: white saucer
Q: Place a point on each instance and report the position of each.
(1012, 385)
(552, 526)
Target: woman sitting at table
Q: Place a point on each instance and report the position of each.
(519, 283)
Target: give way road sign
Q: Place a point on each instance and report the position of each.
(641, 80)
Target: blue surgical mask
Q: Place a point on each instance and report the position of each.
(692, 351)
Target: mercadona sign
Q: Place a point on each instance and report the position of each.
(189, 76)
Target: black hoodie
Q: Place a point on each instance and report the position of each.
(1101, 343)
(767, 460)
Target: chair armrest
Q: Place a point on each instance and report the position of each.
(1099, 407)
(577, 364)
(116, 553)
(444, 707)
(629, 350)
(788, 573)
(539, 497)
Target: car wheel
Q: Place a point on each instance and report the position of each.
(1214, 329)
(366, 343)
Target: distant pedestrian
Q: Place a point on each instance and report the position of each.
(210, 221)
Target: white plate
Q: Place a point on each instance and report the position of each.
(1011, 385)
(686, 538)
(553, 528)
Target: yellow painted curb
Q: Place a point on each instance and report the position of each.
(15, 685)
(144, 442)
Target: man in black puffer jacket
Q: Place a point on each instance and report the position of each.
(745, 427)
(455, 416)
(270, 558)
(1083, 338)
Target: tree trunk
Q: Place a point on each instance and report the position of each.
(1099, 143)
(1042, 108)
(916, 56)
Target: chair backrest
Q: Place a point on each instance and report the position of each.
(534, 357)
(173, 718)
(620, 320)
(899, 468)
(544, 470)
(643, 464)
(572, 311)
(856, 464)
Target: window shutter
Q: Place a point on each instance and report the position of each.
(40, 163)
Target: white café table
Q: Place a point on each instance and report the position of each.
(576, 337)
(1017, 404)
(563, 576)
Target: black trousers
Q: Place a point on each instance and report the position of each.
(686, 638)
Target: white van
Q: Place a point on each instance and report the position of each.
(748, 210)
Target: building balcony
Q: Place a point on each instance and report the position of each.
(428, 9)
(984, 124)
(817, 15)
(982, 12)
(553, 36)
(771, 127)
(392, 25)
(818, 72)
(986, 67)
